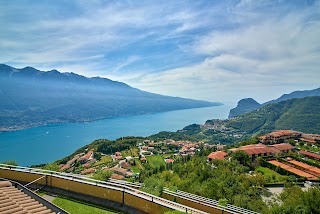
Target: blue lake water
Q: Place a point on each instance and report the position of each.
(52, 142)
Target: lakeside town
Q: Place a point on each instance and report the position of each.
(289, 152)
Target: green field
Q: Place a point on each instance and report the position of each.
(133, 152)
(77, 207)
(135, 169)
(271, 176)
(155, 161)
(103, 160)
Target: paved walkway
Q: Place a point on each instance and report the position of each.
(49, 197)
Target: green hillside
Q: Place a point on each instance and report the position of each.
(296, 114)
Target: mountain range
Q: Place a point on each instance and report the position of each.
(30, 97)
(249, 104)
(300, 114)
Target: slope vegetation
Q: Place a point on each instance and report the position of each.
(296, 114)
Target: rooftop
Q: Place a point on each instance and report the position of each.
(217, 155)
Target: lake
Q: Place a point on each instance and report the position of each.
(48, 143)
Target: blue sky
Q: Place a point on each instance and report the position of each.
(212, 50)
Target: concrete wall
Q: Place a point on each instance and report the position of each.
(89, 189)
(194, 204)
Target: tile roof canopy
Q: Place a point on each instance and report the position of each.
(294, 170)
(217, 155)
(282, 146)
(280, 133)
(13, 200)
(310, 154)
(256, 149)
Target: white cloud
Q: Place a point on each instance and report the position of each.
(257, 49)
(262, 60)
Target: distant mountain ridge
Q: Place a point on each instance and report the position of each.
(244, 105)
(30, 97)
(300, 114)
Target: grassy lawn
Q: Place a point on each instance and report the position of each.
(135, 169)
(76, 207)
(138, 163)
(133, 152)
(155, 161)
(104, 159)
(270, 175)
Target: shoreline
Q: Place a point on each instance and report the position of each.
(19, 128)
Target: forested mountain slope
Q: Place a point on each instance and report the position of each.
(296, 114)
(249, 104)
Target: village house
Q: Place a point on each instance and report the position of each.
(86, 157)
(219, 155)
(88, 171)
(121, 171)
(143, 160)
(70, 162)
(117, 156)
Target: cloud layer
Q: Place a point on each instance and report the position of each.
(213, 50)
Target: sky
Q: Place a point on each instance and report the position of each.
(206, 49)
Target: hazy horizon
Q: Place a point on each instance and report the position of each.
(219, 51)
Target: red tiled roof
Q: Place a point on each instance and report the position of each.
(249, 151)
(274, 150)
(118, 177)
(217, 155)
(310, 154)
(306, 166)
(259, 145)
(294, 170)
(88, 171)
(282, 146)
(255, 149)
(86, 165)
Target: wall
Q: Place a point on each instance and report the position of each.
(194, 204)
(89, 189)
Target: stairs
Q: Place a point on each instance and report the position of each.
(14, 201)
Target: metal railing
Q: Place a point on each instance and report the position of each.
(195, 198)
(132, 188)
(119, 186)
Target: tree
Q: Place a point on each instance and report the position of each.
(11, 162)
(223, 202)
(242, 157)
(102, 175)
(153, 185)
(52, 167)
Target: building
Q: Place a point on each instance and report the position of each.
(121, 171)
(279, 136)
(256, 150)
(310, 138)
(310, 154)
(283, 147)
(168, 161)
(88, 171)
(220, 155)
